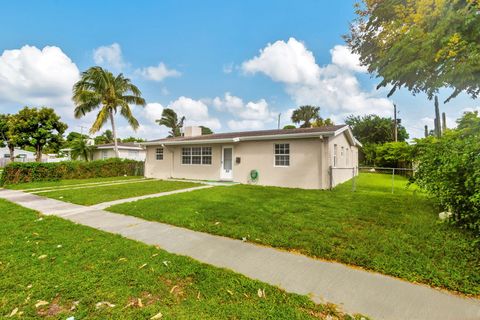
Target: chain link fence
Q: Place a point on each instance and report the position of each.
(382, 179)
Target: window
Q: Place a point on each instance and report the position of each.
(159, 153)
(282, 154)
(104, 154)
(133, 154)
(6, 155)
(335, 151)
(197, 155)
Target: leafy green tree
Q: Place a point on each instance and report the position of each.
(38, 128)
(170, 120)
(289, 126)
(7, 136)
(105, 137)
(375, 129)
(133, 139)
(206, 130)
(81, 149)
(469, 123)
(394, 155)
(306, 114)
(72, 136)
(422, 45)
(100, 89)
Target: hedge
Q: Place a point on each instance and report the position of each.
(20, 172)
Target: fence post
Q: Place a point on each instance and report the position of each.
(393, 178)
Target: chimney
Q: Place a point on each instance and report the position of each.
(192, 131)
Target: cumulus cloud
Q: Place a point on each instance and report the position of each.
(110, 56)
(32, 76)
(153, 111)
(334, 87)
(195, 112)
(157, 73)
(253, 114)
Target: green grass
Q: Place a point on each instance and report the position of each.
(396, 234)
(93, 195)
(68, 182)
(72, 267)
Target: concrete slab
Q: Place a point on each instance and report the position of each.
(105, 205)
(354, 290)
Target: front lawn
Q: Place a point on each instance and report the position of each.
(97, 194)
(54, 269)
(67, 182)
(396, 234)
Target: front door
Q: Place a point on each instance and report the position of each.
(227, 163)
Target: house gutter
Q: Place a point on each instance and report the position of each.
(239, 139)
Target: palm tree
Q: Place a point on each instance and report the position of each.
(100, 89)
(170, 120)
(306, 114)
(81, 149)
(320, 122)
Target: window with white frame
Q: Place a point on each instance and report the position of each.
(197, 155)
(335, 154)
(104, 154)
(159, 153)
(282, 154)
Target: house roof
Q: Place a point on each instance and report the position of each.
(121, 145)
(255, 135)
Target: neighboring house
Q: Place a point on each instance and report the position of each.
(130, 150)
(310, 158)
(20, 156)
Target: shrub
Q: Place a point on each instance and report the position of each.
(19, 172)
(449, 169)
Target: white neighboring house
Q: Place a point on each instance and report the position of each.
(126, 150)
(20, 156)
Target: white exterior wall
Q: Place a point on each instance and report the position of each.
(347, 161)
(123, 154)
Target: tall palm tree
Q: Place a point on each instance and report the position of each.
(170, 120)
(306, 114)
(100, 89)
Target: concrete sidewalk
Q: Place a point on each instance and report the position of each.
(354, 290)
(105, 205)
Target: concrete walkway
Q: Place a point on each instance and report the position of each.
(354, 290)
(105, 205)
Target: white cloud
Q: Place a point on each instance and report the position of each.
(157, 73)
(288, 62)
(334, 87)
(344, 58)
(110, 56)
(195, 112)
(32, 76)
(238, 125)
(153, 111)
(252, 115)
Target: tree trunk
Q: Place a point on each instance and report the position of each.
(114, 131)
(11, 148)
(38, 153)
(438, 129)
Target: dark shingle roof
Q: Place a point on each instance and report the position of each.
(231, 135)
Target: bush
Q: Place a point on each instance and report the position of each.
(20, 172)
(449, 169)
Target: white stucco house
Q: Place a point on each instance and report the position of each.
(130, 150)
(310, 158)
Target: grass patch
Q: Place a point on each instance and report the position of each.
(93, 195)
(91, 274)
(396, 234)
(68, 182)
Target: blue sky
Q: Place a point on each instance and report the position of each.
(229, 65)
